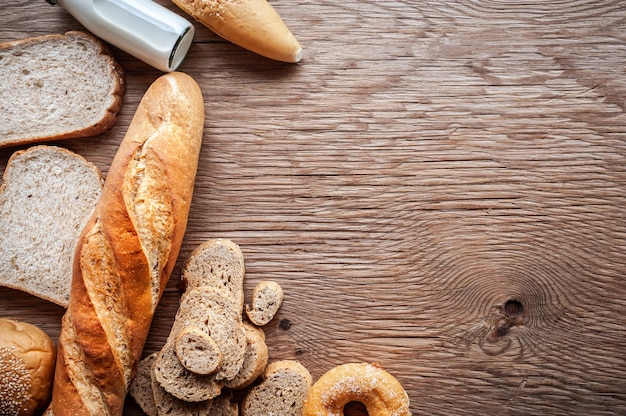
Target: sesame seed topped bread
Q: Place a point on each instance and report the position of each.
(27, 356)
(47, 197)
(57, 87)
(282, 391)
(267, 297)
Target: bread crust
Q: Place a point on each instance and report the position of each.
(252, 24)
(109, 117)
(30, 350)
(123, 261)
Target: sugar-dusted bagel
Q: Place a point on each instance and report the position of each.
(369, 384)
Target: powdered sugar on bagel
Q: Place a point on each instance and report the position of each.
(369, 384)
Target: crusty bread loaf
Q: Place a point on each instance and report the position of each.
(128, 249)
(267, 297)
(27, 356)
(254, 361)
(282, 391)
(57, 87)
(47, 197)
(252, 24)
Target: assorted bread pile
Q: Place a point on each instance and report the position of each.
(212, 350)
(105, 250)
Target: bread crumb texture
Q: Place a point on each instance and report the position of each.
(55, 85)
(15, 382)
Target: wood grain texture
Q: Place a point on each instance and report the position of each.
(439, 187)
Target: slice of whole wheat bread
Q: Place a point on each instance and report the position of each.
(197, 351)
(56, 87)
(217, 263)
(213, 311)
(255, 358)
(223, 406)
(141, 386)
(46, 198)
(283, 390)
(267, 297)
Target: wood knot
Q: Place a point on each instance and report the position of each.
(511, 314)
(513, 308)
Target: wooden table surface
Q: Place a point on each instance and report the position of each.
(438, 186)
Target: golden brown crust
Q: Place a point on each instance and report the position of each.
(369, 384)
(252, 24)
(27, 358)
(117, 281)
(119, 86)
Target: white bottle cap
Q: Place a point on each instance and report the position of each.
(142, 28)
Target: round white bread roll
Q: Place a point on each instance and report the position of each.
(27, 359)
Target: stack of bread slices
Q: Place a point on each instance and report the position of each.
(212, 350)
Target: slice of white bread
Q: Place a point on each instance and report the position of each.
(46, 198)
(57, 87)
(283, 390)
(267, 297)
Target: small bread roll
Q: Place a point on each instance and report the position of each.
(27, 359)
(252, 24)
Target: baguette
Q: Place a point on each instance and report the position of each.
(128, 249)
